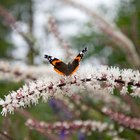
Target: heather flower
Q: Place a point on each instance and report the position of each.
(99, 79)
(127, 121)
(15, 73)
(84, 126)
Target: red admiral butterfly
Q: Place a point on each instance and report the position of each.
(66, 69)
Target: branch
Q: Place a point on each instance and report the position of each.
(102, 79)
(53, 28)
(5, 136)
(16, 73)
(127, 121)
(70, 127)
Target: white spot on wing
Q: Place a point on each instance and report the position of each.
(52, 57)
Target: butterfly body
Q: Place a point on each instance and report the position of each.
(66, 69)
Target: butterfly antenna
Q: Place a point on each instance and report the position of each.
(85, 49)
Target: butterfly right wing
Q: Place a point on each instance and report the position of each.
(75, 63)
(59, 66)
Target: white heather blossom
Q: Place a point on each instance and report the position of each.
(2, 102)
(128, 75)
(86, 127)
(136, 92)
(95, 125)
(102, 78)
(4, 111)
(108, 99)
(124, 90)
(136, 76)
(15, 73)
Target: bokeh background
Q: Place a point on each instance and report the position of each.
(31, 28)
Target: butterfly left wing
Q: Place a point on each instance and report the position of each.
(75, 63)
(59, 66)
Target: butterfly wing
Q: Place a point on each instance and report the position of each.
(75, 64)
(59, 66)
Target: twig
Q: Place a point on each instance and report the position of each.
(69, 127)
(127, 121)
(7, 137)
(53, 28)
(16, 73)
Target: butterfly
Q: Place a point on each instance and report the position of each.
(66, 69)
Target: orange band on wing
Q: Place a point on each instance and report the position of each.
(59, 72)
(78, 58)
(75, 70)
(55, 61)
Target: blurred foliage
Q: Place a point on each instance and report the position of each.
(128, 20)
(21, 11)
(19, 8)
(101, 48)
